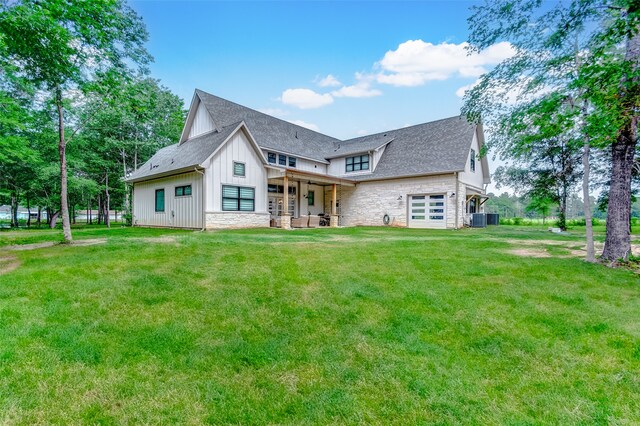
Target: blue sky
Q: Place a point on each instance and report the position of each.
(343, 68)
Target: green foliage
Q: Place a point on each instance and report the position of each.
(89, 57)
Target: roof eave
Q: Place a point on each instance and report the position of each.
(166, 173)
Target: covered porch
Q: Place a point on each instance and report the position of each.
(296, 198)
(474, 203)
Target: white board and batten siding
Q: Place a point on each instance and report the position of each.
(219, 172)
(202, 122)
(473, 178)
(179, 212)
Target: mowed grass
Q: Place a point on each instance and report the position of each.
(347, 326)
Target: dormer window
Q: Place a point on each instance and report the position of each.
(292, 161)
(271, 157)
(472, 164)
(357, 163)
(282, 160)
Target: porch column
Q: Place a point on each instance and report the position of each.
(286, 217)
(334, 210)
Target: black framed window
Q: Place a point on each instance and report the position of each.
(282, 160)
(292, 161)
(472, 164)
(238, 198)
(357, 163)
(238, 169)
(279, 189)
(160, 200)
(271, 156)
(182, 191)
(311, 198)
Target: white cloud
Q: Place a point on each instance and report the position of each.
(415, 62)
(362, 88)
(462, 90)
(305, 98)
(328, 81)
(309, 126)
(276, 112)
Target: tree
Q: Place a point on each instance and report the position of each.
(570, 49)
(65, 46)
(123, 129)
(542, 206)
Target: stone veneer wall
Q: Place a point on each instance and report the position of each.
(228, 220)
(368, 202)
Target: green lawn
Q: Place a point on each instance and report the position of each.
(364, 325)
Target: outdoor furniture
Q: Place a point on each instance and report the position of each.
(276, 222)
(300, 222)
(314, 221)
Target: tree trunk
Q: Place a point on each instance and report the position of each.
(28, 213)
(14, 210)
(127, 207)
(107, 219)
(617, 245)
(53, 218)
(591, 253)
(62, 149)
(39, 220)
(99, 209)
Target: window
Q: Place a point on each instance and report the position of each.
(357, 163)
(472, 165)
(238, 169)
(238, 198)
(160, 200)
(292, 161)
(282, 160)
(279, 189)
(272, 157)
(182, 191)
(311, 198)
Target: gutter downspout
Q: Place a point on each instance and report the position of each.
(204, 216)
(457, 207)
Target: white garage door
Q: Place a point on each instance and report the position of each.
(427, 211)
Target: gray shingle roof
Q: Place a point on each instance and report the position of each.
(429, 148)
(191, 153)
(268, 131)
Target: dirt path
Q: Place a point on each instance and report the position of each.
(8, 264)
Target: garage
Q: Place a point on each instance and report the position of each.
(427, 211)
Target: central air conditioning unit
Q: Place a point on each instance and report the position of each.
(478, 220)
(493, 219)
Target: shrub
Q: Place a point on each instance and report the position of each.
(517, 221)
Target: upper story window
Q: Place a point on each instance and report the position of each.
(271, 157)
(282, 159)
(292, 161)
(357, 163)
(472, 164)
(238, 169)
(182, 191)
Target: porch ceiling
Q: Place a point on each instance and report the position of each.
(313, 178)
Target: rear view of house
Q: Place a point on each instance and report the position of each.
(236, 167)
